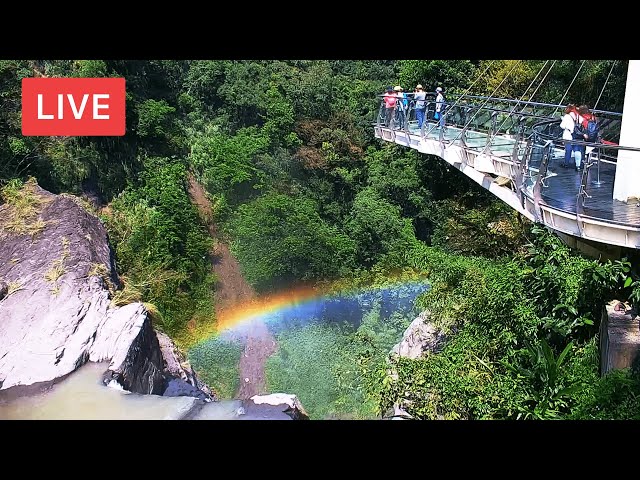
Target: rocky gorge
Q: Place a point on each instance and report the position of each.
(58, 286)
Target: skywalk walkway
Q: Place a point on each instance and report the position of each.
(515, 150)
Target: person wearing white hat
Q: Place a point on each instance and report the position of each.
(419, 96)
(440, 107)
(403, 104)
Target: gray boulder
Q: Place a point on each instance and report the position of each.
(177, 367)
(419, 339)
(59, 315)
(276, 406)
(177, 387)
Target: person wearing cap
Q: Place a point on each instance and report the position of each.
(390, 100)
(419, 96)
(402, 105)
(440, 107)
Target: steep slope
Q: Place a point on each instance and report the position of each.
(56, 312)
(233, 290)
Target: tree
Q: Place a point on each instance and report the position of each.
(280, 239)
(377, 227)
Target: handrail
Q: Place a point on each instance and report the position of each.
(581, 142)
(517, 118)
(537, 126)
(521, 102)
(534, 144)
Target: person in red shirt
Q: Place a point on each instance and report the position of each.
(586, 115)
(390, 100)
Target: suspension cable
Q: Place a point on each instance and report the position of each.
(470, 86)
(487, 100)
(520, 100)
(540, 84)
(565, 93)
(605, 84)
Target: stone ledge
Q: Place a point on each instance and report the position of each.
(619, 338)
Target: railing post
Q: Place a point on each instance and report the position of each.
(463, 133)
(515, 161)
(582, 193)
(537, 188)
(524, 168)
(597, 182)
(395, 117)
(521, 125)
(426, 120)
(487, 149)
(465, 129)
(407, 116)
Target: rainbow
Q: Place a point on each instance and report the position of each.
(264, 306)
(303, 301)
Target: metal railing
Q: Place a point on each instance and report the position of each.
(592, 193)
(524, 142)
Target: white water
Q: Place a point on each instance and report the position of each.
(82, 396)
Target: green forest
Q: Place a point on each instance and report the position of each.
(303, 192)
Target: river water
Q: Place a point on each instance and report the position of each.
(82, 396)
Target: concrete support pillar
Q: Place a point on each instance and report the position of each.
(627, 182)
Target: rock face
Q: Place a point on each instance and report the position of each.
(60, 271)
(181, 373)
(420, 338)
(128, 339)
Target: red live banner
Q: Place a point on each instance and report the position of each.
(73, 107)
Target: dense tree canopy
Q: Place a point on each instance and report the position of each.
(303, 192)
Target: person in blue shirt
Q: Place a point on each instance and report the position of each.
(419, 96)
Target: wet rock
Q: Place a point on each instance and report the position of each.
(176, 387)
(176, 366)
(276, 406)
(127, 338)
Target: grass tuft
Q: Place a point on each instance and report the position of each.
(24, 207)
(129, 294)
(55, 272)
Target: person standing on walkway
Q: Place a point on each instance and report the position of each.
(390, 100)
(440, 107)
(568, 126)
(588, 135)
(419, 96)
(403, 103)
